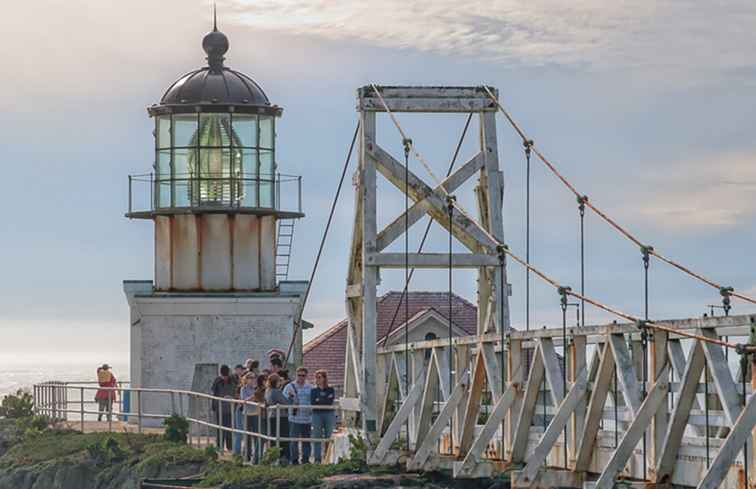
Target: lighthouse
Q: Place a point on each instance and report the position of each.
(223, 219)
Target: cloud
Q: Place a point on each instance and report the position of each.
(669, 36)
(715, 192)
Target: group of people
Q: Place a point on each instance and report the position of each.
(293, 418)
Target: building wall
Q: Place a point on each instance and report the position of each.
(170, 334)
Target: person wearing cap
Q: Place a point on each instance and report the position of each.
(104, 396)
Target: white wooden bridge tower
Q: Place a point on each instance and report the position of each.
(481, 235)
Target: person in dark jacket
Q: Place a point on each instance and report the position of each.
(224, 386)
(274, 396)
(323, 420)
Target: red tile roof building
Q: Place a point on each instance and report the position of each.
(327, 350)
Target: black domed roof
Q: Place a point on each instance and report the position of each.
(215, 86)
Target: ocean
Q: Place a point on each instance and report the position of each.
(24, 376)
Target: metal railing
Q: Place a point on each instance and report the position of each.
(68, 402)
(267, 192)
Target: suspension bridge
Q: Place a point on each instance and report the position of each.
(638, 401)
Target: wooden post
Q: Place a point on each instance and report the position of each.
(516, 378)
(661, 420)
(369, 402)
(577, 364)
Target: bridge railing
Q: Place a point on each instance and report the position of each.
(213, 420)
(593, 404)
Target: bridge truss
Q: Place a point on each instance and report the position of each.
(648, 402)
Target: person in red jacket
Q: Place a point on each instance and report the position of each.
(105, 397)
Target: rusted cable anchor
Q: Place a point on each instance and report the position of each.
(450, 201)
(407, 143)
(645, 330)
(563, 291)
(582, 200)
(726, 293)
(528, 145)
(646, 251)
(502, 250)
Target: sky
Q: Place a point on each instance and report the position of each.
(647, 107)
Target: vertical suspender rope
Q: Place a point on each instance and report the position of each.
(528, 145)
(581, 209)
(450, 204)
(407, 145)
(646, 252)
(504, 334)
(563, 303)
(706, 408)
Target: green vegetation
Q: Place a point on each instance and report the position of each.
(109, 456)
(18, 405)
(271, 476)
(55, 444)
(176, 428)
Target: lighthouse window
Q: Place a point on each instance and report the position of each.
(163, 177)
(163, 131)
(266, 164)
(185, 128)
(245, 130)
(266, 132)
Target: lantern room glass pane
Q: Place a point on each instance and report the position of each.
(245, 130)
(266, 132)
(184, 162)
(266, 164)
(185, 130)
(163, 179)
(163, 170)
(247, 164)
(266, 192)
(163, 131)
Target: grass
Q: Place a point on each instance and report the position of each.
(56, 444)
(271, 476)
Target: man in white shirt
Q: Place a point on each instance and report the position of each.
(300, 419)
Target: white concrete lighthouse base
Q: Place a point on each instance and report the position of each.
(173, 332)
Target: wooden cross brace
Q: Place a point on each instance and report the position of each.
(433, 201)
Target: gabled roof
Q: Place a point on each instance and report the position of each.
(327, 350)
(418, 320)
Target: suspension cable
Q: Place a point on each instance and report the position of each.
(601, 214)
(427, 231)
(298, 322)
(537, 272)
